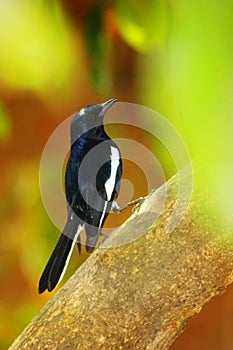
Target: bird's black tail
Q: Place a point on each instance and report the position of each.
(58, 261)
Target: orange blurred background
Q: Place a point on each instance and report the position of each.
(58, 56)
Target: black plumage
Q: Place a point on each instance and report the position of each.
(92, 183)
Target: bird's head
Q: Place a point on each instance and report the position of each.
(89, 117)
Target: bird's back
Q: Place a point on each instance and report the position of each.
(88, 169)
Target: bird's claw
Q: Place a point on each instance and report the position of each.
(117, 209)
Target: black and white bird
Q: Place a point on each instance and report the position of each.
(92, 182)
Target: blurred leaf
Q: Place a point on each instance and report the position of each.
(191, 84)
(5, 125)
(96, 42)
(143, 25)
(94, 31)
(36, 51)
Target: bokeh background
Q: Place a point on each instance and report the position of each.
(58, 56)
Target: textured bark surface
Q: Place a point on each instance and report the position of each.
(139, 295)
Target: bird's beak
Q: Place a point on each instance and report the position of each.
(107, 105)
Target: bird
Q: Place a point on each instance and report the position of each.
(92, 183)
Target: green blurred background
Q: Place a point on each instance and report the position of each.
(58, 56)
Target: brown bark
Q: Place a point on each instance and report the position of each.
(139, 295)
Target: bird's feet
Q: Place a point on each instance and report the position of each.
(103, 237)
(117, 209)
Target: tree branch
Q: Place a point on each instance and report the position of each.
(139, 295)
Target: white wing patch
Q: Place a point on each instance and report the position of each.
(110, 183)
(103, 213)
